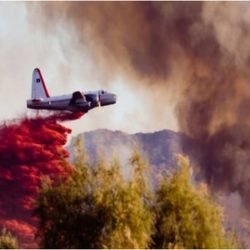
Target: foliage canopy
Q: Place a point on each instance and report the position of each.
(96, 207)
(7, 241)
(187, 217)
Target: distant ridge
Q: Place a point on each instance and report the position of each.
(160, 147)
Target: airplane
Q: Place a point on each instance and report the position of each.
(75, 102)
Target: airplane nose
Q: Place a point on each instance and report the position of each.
(114, 98)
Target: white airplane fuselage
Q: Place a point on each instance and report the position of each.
(75, 102)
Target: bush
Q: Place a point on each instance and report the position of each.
(186, 215)
(7, 241)
(95, 208)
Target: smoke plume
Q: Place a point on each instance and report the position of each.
(30, 148)
(198, 49)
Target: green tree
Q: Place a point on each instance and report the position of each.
(186, 216)
(94, 208)
(7, 241)
(67, 216)
(128, 219)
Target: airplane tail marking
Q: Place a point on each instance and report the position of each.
(39, 89)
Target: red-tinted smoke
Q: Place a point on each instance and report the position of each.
(29, 149)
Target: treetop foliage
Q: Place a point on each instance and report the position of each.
(96, 207)
(7, 241)
(187, 217)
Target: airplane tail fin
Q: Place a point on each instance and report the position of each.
(39, 89)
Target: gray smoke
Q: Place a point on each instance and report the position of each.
(199, 51)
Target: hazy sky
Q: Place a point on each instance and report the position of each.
(25, 46)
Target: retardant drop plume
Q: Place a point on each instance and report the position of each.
(201, 49)
(30, 148)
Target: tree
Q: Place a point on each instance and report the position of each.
(7, 241)
(186, 216)
(65, 213)
(128, 218)
(94, 208)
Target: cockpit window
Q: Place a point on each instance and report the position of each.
(37, 80)
(102, 92)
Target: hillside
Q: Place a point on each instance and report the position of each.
(159, 147)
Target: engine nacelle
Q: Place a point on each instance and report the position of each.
(93, 99)
(76, 97)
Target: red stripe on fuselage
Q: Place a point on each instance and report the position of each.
(43, 83)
